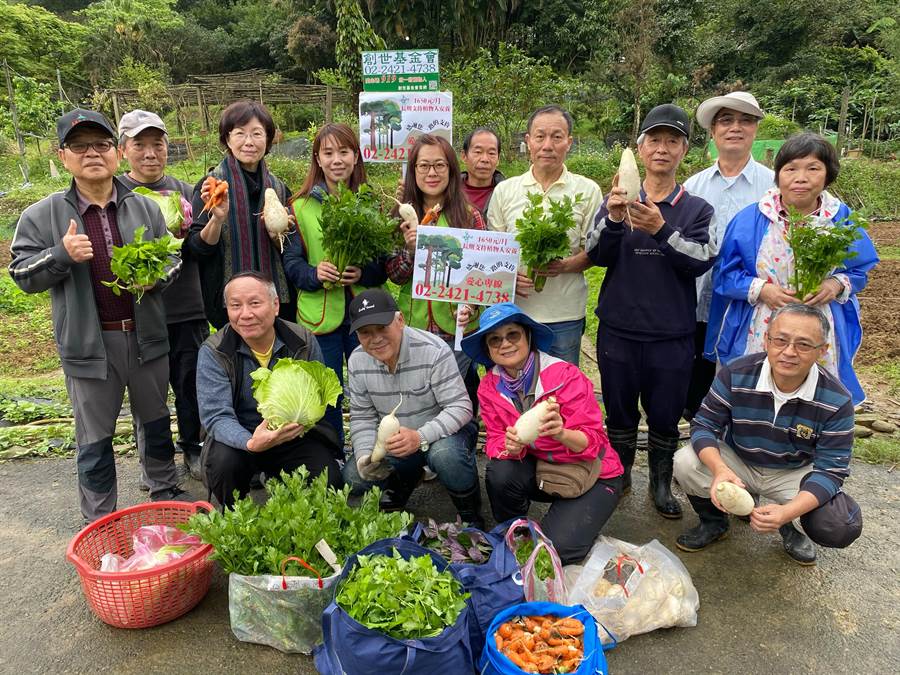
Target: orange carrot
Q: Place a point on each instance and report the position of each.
(431, 215)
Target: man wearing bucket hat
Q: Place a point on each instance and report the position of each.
(396, 365)
(734, 181)
(568, 461)
(106, 342)
(144, 144)
(654, 248)
(781, 426)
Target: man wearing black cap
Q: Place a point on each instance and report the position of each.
(106, 342)
(396, 365)
(654, 248)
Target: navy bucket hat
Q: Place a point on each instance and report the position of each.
(496, 316)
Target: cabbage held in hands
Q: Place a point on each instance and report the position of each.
(294, 391)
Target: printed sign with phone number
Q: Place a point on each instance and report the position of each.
(457, 294)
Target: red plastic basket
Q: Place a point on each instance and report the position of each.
(147, 597)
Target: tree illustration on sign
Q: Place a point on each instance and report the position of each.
(444, 254)
(374, 109)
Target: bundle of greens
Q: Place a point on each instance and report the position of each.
(404, 599)
(455, 545)
(140, 264)
(819, 248)
(294, 391)
(250, 539)
(170, 205)
(543, 564)
(545, 237)
(354, 229)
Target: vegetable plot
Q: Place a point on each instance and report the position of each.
(354, 230)
(404, 599)
(141, 264)
(545, 237)
(294, 391)
(819, 248)
(542, 644)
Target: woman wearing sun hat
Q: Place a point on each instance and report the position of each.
(571, 464)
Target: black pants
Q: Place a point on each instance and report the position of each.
(571, 524)
(229, 469)
(185, 338)
(703, 374)
(654, 373)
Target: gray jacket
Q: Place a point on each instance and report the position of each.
(40, 262)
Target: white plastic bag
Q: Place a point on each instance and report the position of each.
(634, 589)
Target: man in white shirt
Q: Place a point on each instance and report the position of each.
(561, 304)
(732, 183)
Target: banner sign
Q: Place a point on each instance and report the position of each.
(471, 266)
(389, 124)
(403, 70)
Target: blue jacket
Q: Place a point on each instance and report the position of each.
(730, 313)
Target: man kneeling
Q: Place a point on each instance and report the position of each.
(787, 426)
(435, 415)
(239, 443)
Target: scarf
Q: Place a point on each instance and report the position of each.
(519, 386)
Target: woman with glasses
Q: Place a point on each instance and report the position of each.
(433, 180)
(571, 464)
(230, 238)
(755, 268)
(336, 159)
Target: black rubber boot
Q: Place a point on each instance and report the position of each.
(660, 452)
(798, 545)
(624, 442)
(713, 526)
(468, 504)
(397, 492)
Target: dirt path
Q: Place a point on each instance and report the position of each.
(759, 612)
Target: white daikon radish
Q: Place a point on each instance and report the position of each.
(734, 498)
(387, 427)
(276, 217)
(529, 422)
(407, 212)
(629, 177)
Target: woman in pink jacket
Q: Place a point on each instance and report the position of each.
(520, 375)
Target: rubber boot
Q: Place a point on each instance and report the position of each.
(397, 491)
(713, 526)
(797, 545)
(659, 457)
(624, 442)
(468, 504)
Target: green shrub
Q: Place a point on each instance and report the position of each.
(870, 186)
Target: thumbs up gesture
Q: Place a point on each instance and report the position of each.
(78, 246)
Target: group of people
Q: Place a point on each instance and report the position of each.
(697, 319)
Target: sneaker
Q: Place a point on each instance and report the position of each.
(173, 494)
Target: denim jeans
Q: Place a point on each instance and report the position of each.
(451, 458)
(336, 346)
(567, 340)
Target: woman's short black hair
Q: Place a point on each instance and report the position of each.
(805, 144)
(241, 112)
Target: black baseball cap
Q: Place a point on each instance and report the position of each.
(835, 524)
(667, 115)
(75, 118)
(372, 307)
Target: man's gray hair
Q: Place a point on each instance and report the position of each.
(804, 310)
(261, 278)
(643, 137)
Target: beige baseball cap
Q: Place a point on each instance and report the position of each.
(136, 121)
(741, 101)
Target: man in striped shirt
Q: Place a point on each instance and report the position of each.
(777, 424)
(399, 365)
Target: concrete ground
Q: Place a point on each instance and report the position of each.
(759, 612)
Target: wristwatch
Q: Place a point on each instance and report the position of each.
(423, 444)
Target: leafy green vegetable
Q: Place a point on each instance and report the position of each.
(405, 599)
(455, 545)
(251, 539)
(169, 204)
(141, 264)
(545, 238)
(294, 391)
(543, 564)
(819, 248)
(354, 229)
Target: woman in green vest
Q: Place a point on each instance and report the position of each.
(335, 159)
(434, 178)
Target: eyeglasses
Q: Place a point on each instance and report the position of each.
(258, 136)
(424, 168)
(513, 337)
(801, 346)
(80, 148)
(743, 120)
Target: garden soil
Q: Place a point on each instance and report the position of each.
(759, 611)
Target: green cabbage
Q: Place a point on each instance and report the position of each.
(170, 205)
(294, 391)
